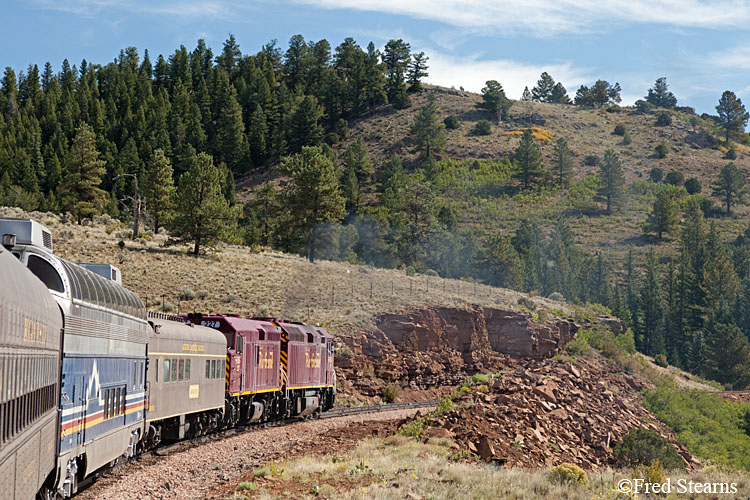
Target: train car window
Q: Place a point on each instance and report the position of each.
(261, 334)
(181, 371)
(141, 370)
(174, 370)
(166, 370)
(112, 407)
(116, 406)
(310, 338)
(213, 368)
(135, 373)
(122, 402)
(2, 379)
(106, 404)
(208, 368)
(156, 371)
(187, 369)
(46, 273)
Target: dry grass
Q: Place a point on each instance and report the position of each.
(339, 295)
(397, 467)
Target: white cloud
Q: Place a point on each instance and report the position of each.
(734, 58)
(206, 9)
(471, 73)
(546, 18)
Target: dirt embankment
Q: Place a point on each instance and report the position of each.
(438, 346)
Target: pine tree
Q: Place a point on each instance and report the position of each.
(417, 71)
(730, 186)
(258, 135)
(396, 59)
(732, 114)
(392, 180)
(202, 214)
(414, 213)
(663, 217)
(428, 130)
(296, 62)
(651, 310)
(613, 179)
(314, 193)
(494, 100)
(660, 96)
(79, 190)
(526, 96)
(543, 90)
(158, 188)
(727, 356)
(304, 125)
(528, 160)
(559, 94)
(229, 143)
(357, 159)
(563, 163)
(374, 83)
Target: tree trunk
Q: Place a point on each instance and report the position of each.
(197, 247)
(729, 204)
(311, 255)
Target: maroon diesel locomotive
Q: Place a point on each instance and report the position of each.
(274, 369)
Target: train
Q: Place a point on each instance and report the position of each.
(90, 378)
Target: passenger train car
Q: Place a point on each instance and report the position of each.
(89, 377)
(30, 335)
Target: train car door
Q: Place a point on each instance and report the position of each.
(73, 412)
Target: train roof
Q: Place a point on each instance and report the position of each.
(243, 326)
(24, 291)
(190, 334)
(87, 286)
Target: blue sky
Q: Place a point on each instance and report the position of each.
(701, 46)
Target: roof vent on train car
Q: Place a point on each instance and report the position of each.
(108, 271)
(28, 232)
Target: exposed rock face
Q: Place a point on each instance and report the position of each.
(441, 345)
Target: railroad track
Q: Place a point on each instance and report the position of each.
(170, 448)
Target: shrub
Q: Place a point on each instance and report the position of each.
(483, 127)
(527, 303)
(567, 473)
(643, 447)
(656, 174)
(247, 486)
(591, 160)
(332, 138)
(186, 293)
(619, 129)
(344, 352)
(228, 298)
(121, 244)
(661, 360)
(651, 474)
(693, 186)
(202, 294)
(731, 154)
(557, 296)
(167, 307)
(626, 139)
(342, 128)
(661, 150)
(452, 122)
(664, 119)
(389, 393)
(675, 177)
(643, 106)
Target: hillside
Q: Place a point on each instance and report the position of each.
(385, 132)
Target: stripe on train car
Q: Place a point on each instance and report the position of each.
(255, 392)
(309, 387)
(185, 354)
(74, 424)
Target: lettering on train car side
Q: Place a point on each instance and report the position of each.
(34, 331)
(312, 360)
(193, 347)
(265, 359)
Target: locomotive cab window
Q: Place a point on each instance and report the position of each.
(46, 273)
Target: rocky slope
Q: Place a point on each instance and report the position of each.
(542, 413)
